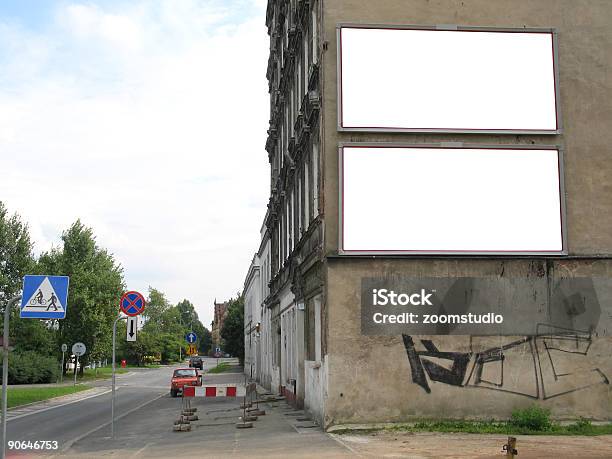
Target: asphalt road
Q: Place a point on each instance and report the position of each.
(145, 415)
(90, 417)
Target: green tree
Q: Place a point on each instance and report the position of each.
(96, 284)
(233, 328)
(189, 318)
(16, 258)
(157, 306)
(204, 338)
(188, 314)
(33, 339)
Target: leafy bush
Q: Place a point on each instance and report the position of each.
(582, 425)
(29, 367)
(532, 418)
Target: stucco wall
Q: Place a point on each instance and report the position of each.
(370, 377)
(316, 388)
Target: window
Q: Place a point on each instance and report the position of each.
(421, 199)
(306, 197)
(292, 222)
(300, 198)
(315, 178)
(287, 230)
(315, 45)
(306, 60)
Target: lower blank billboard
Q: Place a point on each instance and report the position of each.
(430, 199)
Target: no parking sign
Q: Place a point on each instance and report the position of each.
(132, 303)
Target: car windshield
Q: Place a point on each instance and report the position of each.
(184, 373)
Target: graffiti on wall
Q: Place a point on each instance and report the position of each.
(550, 364)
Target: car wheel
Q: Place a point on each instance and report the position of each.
(173, 393)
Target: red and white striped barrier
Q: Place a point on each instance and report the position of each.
(215, 390)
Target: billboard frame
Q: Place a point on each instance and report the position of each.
(459, 146)
(449, 27)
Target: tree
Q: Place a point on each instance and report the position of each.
(16, 258)
(233, 328)
(204, 338)
(157, 306)
(189, 318)
(96, 284)
(16, 261)
(33, 339)
(188, 314)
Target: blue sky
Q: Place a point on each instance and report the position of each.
(147, 120)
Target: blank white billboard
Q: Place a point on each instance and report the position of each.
(447, 80)
(449, 200)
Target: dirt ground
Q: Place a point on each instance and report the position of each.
(443, 445)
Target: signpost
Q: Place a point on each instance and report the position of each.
(78, 349)
(191, 350)
(131, 330)
(43, 297)
(64, 349)
(131, 304)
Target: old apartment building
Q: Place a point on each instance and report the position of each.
(220, 311)
(399, 161)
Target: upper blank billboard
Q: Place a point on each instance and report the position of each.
(428, 80)
(435, 200)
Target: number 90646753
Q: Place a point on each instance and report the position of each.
(32, 445)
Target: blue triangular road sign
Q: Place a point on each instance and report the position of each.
(44, 297)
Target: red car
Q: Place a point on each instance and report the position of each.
(184, 377)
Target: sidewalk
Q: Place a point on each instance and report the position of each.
(479, 446)
(282, 432)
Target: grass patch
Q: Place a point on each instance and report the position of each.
(89, 374)
(533, 420)
(221, 368)
(580, 427)
(24, 395)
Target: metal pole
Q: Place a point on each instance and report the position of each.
(62, 369)
(113, 384)
(75, 368)
(5, 356)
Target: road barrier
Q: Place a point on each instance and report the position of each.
(247, 419)
(183, 423)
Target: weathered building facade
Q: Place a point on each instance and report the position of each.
(312, 346)
(220, 311)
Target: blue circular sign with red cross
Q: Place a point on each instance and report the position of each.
(132, 303)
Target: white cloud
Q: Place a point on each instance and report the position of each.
(148, 122)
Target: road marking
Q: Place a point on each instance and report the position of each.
(86, 434)
(56, 406)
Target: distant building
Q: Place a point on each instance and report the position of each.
(257, 325)
(217, 323)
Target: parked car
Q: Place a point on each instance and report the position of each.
(196, 362)
(184, 377)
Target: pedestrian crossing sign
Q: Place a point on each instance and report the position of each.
(44, 297)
